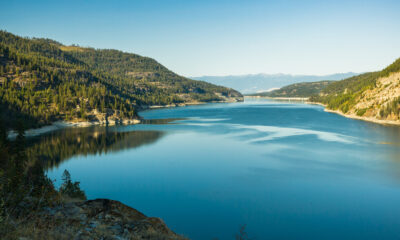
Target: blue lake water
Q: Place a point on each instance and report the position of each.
(286, 170)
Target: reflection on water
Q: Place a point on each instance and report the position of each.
(161, 121)
(56, 147)
(288, 171)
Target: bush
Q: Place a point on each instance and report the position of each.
(361, 112)
(71, 189)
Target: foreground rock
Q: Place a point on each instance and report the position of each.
(98, 219)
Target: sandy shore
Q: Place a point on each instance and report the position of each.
(280, 98)
(37, 131)
(352, 116)
(63, 124)
(367, 119)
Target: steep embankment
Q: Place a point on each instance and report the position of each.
(43, 81)
(371, 96)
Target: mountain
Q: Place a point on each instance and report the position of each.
(254, 83)
(373, 96)
(42, 81)
(297, 90)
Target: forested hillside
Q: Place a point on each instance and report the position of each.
(42, 81)
(297, 90)
(374, 94)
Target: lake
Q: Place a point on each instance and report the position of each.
(285, 170)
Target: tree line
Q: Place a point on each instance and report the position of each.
(42, 81)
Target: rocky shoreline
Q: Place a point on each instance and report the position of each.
(353, 116)
(95, 219)
(367, 119)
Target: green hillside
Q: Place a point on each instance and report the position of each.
(344, 95)
(298, 90)
(42, 81)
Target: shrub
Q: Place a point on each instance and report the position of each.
(71, 189)
(361, 112)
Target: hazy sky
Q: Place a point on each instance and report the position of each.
(211, 37)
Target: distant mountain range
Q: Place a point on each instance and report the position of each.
(254, 83)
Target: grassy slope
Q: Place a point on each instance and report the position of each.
(344, 95)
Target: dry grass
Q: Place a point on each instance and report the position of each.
(72, 48)
(99, 223)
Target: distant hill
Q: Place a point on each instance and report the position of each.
(254, 83)
(373, 95)
(297, 90)
(42, 81)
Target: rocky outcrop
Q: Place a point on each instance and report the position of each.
(373, 101)
(97, 219)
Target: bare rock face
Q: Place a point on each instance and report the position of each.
(101, 219)
(371, 101)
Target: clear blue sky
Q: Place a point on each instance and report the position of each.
(211, 37)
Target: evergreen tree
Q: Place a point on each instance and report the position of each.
(54, 82)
